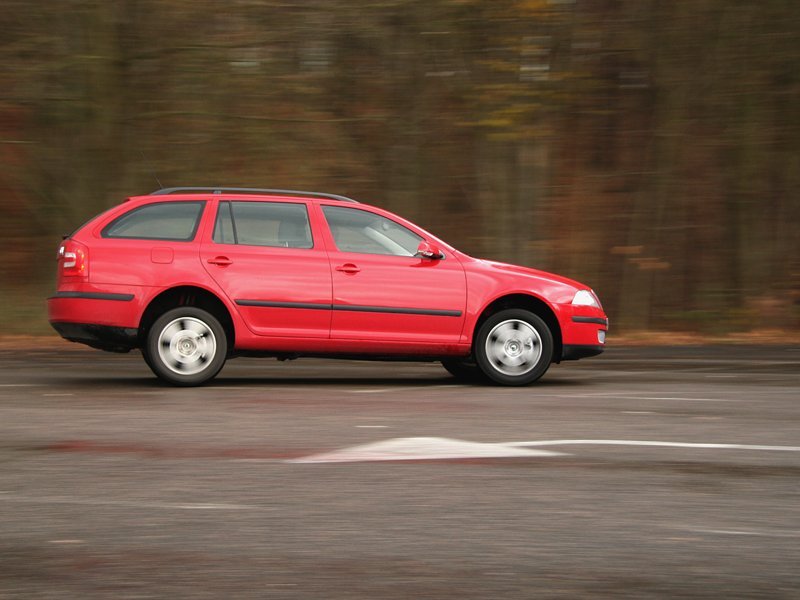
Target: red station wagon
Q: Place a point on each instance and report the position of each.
(193, 276)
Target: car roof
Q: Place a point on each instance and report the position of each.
(194, 192)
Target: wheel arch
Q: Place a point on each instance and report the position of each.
(526, 302)
(188, 295)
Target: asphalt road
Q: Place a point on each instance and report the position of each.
(642, 473)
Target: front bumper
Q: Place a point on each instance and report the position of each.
(575, 352)
(583, 331)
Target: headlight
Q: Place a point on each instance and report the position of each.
(585, 298)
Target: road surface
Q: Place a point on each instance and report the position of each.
(642, 473)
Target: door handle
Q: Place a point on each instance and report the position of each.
(220, 261)
(348, 268)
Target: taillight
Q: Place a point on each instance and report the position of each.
(73, 259)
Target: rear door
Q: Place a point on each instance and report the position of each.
(265, 257)
(381, 291)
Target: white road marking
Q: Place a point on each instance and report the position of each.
(697, 361)
(774, 534)
(653, 443)
(422, 448)
(58, 394)
(402, 388)
(438, 448)
(200, 506)
(372, 426)
(6, 497)
(20, 384)
(67, 542)
(617, 396)
(236, 387)
(678, 398)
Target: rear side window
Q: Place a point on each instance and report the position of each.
(176, 221)
(275, 224)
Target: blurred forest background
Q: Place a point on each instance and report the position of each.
(650, 148)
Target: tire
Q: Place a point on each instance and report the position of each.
(186, 346)
(513, 347)
(464, 369)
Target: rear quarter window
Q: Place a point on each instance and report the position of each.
(176, 221)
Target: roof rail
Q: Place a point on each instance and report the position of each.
(227, 190)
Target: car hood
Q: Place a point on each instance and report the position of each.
(527, 271)
(559, 289)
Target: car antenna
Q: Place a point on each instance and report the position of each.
(155, 176)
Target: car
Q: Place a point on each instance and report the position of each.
(194, 276)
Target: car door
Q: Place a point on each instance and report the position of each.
(264, 257)
(381, 290)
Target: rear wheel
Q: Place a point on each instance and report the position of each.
(514, 347)
(186, 346)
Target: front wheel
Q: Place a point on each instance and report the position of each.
(514, 347)
(186, 346)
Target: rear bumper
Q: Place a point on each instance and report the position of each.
(118, 307)
(106, 318)
(103, 337)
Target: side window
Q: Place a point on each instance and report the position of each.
(223, 228)
(275, 224)
(176, 221)
(356, 230)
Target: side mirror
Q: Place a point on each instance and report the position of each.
(428, 251)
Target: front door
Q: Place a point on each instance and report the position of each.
(381, 291)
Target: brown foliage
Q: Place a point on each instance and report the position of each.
(648, 148)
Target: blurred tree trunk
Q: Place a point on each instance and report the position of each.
(649, 148)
